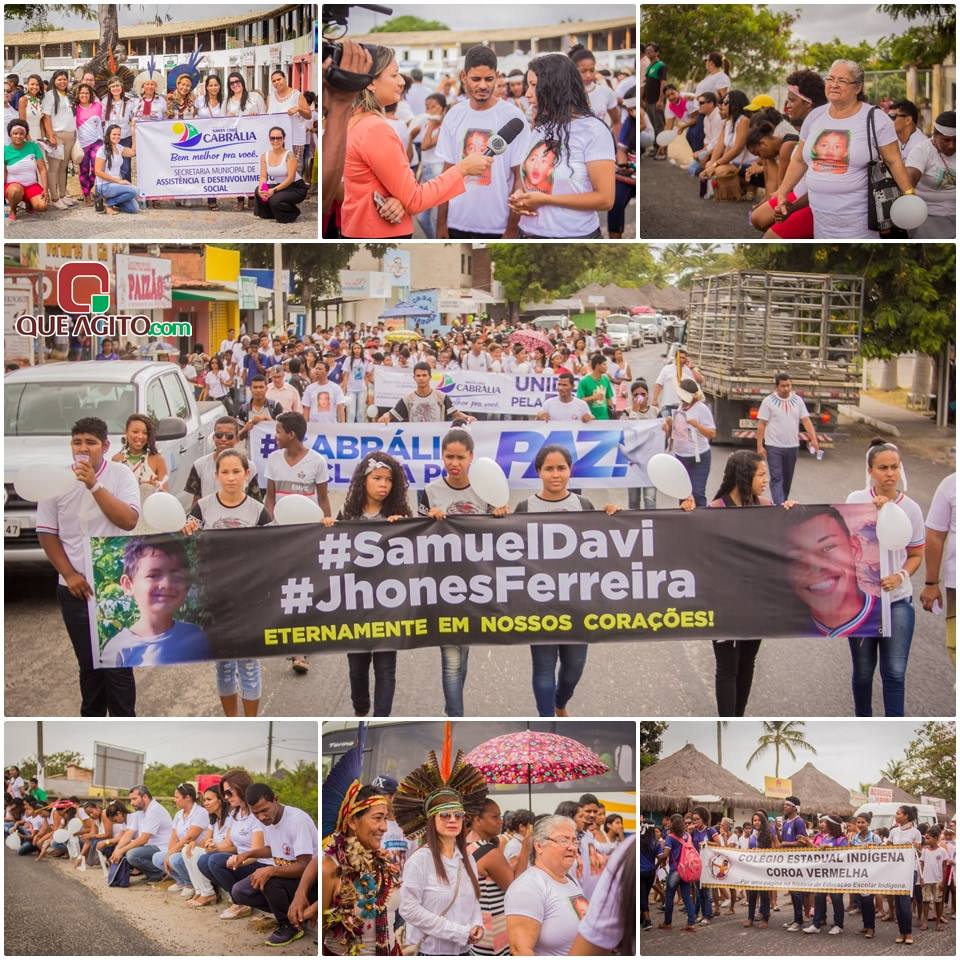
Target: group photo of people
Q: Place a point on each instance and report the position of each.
(490, 140)
(694, 812)
(439, 864)
(805, 145)
(184, 846)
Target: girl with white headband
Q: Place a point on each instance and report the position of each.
(378, 491)
(932, 166)
(886, 482)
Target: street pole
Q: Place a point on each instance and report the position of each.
(40, 754)
(270, 745)
(280, 325)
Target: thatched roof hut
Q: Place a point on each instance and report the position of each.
(819, 793)
(669, 785)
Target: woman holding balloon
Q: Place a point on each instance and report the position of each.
(145, 461)
(903, 530)
(932, 165)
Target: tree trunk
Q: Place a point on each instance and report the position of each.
(719, 745)
(922, 370)
(109, 40)
(109, 28)
(888, 378)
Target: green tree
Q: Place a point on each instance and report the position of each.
(819, 56)
(627, 264)
(781, 735)
(409, 24)
(54, 764)
(931, 762)
(598, 275)
(530, 274)
(895, 771)
(651, 742)
(864, 788)
(909, 290)
(935, 39)
(754, 38)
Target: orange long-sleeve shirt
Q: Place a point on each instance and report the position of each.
(376, 161)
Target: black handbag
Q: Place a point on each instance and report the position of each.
(882, 189)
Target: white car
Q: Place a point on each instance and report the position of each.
(619, 335)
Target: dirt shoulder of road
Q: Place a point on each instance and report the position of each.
(164, 918)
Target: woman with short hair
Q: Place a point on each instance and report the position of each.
(24, 172)
(836, 145)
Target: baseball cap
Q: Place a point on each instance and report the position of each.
(386, 783)
(760, 101)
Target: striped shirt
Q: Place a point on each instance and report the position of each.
(495, 942)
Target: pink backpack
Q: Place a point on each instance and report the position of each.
(689, 863)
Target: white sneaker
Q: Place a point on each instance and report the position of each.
(59, 204)
(186, 892)
(174, 888)
(69, 201)
(834, 930)
(811, 929)
(791, 927)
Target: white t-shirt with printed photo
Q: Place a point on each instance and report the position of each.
(323, 400)
(541, 171)
(602, 100)
(938, 178)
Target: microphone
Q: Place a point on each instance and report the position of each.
(502, 139)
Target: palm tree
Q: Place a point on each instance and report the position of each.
(720, 725)
(781, 733)
(864, 788)
(895, 771)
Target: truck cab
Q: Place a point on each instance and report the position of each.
(41, 404)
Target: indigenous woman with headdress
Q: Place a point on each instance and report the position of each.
(360, 885)
(181, 103)
(150, 106)
(441, 896)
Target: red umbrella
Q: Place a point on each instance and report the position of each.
(533, 757)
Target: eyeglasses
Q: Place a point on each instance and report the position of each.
(220, 435)
(703, 101)
(451, 815)
(276, 138)
(236, 83)
(724, 103)
(840, 81)
(227, 792)
(563, 841)
(899, 116)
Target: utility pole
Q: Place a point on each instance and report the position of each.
(270, 742)
(40, 754)
(279, 322)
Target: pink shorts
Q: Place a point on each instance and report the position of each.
(34, 190)
(798, 226)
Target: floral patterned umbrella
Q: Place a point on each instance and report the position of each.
(530, 757)
(531, 339)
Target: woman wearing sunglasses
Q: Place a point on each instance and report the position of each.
(282, 189)
(241, 102)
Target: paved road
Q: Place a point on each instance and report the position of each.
(726, 936)
(30, 928)
(671, 208)
(668, 678)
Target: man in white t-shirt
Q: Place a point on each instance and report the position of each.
(477, 360)
(323, 401)
(481, 213)
(155, 828)
(294, 469)
(290, 840)
(105, 502)
(228, 344)
(778, 427)
(941, 540)
(905, 116)
(665, 397)
(565, 406)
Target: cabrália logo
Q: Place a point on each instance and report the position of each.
(187, 137)
(83, 291)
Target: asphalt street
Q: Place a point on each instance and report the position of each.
(671, 208)
(30, 930)
(726, 936)
(656, 678)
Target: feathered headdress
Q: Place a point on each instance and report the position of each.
(437, 785)
(151, 73)
(341, 787)
(110, 72)
(190, 69)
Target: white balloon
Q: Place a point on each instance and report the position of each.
(489, 481)
(40, 481)
(13, 841)
(372, 412)
(296, 509)
(523, 367)
(74, 826)
(908, 211)
(669, 476)
(164, 512)
(894, 528)
(666, 137)
(61, 836)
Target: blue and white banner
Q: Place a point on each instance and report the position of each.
(217, 157)
(520, 394)
(606, 453)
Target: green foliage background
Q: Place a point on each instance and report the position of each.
(115, 610)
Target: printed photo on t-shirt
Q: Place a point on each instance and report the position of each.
(538, 168)
(475, 141)
(580, 904)
(831, 152)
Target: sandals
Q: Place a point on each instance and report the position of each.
(299, 664)
(229, 913)
(240, 202)
(199, 902)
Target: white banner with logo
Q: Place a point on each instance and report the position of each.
(144, 283)
(817, 869)
(520, 394)
(606, 453)
(217, 157)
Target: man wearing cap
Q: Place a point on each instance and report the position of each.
(778, 428)
(787, 833)
(394, 844)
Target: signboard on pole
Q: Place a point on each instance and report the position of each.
(777, 787)
(396, 263)
(17, 302)
(247, 291)
(144, 283)
(857, 800)
(117, 767)
(880, 795)
(938, 804)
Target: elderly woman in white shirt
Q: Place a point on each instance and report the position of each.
(441, 895)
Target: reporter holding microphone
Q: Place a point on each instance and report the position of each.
(376, 164)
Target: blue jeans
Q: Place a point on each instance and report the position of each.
(903, 908)
(453, 674)
(358, 414)
(642, 498)
(27, 847)
(127, 164)
(781, 462)
(122, 195)
(894, 651)
(673, 883)
(550, 690)
(704, 900)
(698, 472)
(214, 867)
(695, 135)
(797, 900)
(242, 675)
(428, 218)
(384, 681)
(820, 909)
(141, 858)
(178, 869)
(764, 904)
(868, 911)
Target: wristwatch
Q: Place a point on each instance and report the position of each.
(97, 486)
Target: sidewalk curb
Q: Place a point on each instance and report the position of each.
(855, 414)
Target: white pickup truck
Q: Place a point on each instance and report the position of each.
(42, 403)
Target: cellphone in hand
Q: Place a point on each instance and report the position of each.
(379, 199)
